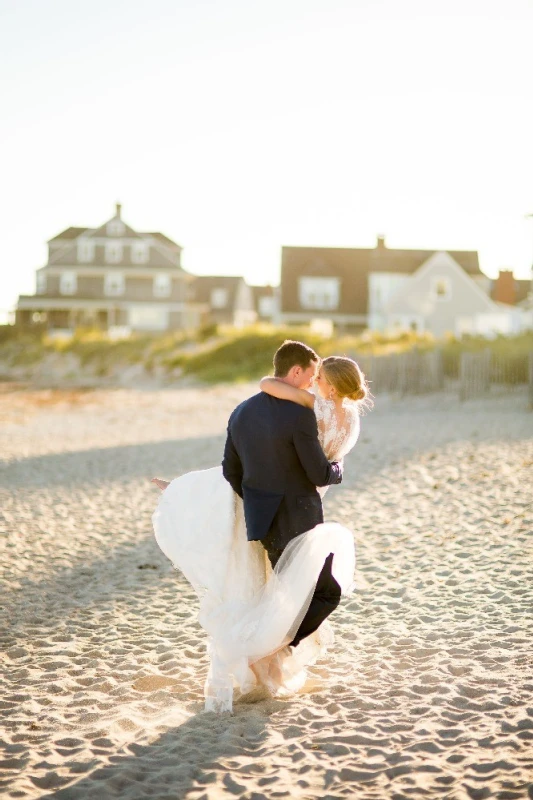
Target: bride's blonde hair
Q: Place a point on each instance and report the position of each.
(347, 377)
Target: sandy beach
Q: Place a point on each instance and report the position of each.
(428, 690)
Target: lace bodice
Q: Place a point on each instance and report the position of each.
(336, 440)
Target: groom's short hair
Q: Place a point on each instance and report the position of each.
(292, 354)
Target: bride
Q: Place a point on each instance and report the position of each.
(251, 612)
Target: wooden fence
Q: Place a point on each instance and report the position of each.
(418, 372)
(475, 374)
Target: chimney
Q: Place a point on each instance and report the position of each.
(119, 210)
(503, 290)
(381, 241)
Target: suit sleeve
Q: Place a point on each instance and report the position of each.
(318, 469)
(232, 466)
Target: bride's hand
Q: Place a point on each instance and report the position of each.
(160, 483)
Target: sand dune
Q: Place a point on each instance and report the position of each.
(427, 692)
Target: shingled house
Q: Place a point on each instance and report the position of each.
(227, 299)
(382, 287)
(266, 302)
(111, 276)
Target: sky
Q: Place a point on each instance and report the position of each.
(238, 127)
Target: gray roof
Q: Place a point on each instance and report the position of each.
(70, 233)
(162, 238)
(73, 233)
(164, 253)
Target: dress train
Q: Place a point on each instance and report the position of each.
(249, 611)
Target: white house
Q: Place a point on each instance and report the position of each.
(379, 287)
(440, 297)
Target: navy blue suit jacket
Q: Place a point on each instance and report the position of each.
(274, 461)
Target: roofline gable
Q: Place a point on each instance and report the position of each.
(60, 236)
(378, 259)
(430, 263)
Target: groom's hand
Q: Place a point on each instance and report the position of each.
(336, 471)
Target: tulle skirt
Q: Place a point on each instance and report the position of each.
(249, 611)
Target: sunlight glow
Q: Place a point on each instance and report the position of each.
(237, 128)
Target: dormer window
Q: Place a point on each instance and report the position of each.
(41, 282)
(114, 284)
(219, 298)
(85, 251)
(113, 252)
(162, 285)
(139, 252)
(68, 283)
(442, 289)
(115, 227)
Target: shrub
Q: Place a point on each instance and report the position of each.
(242, 357)
(207, 332)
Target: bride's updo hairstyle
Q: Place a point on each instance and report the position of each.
(346, 376)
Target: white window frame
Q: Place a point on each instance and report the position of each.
(446, 281)
(113, 252)
(219, 297)
(319, 293)
(85, 251)
(266, 305)
(139, 252)
(40, 283)
(114, 284)
(115, 227)
(162, 284)
(68, 282)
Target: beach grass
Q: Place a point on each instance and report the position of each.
(216, 354)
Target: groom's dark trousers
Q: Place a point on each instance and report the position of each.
(274, 461)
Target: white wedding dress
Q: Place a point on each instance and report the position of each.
(249, 611)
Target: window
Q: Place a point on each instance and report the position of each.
(266, 306)
(115, 227)
(68, 283)
(219, 298)
(319, 293)
(162, 285)
(139, 253)
(114, 284)
(113, 252)
(442, 289)
(85, 251)
(41, 283)
(149, 318)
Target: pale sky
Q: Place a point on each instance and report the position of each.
(236, 127)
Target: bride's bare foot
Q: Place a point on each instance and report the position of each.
(160, 483)
(269, 671)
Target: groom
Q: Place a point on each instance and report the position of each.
(274, 461)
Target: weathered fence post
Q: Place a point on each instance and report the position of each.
(438, 370)
(403, 374)
(431, 369)
(474, 374)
